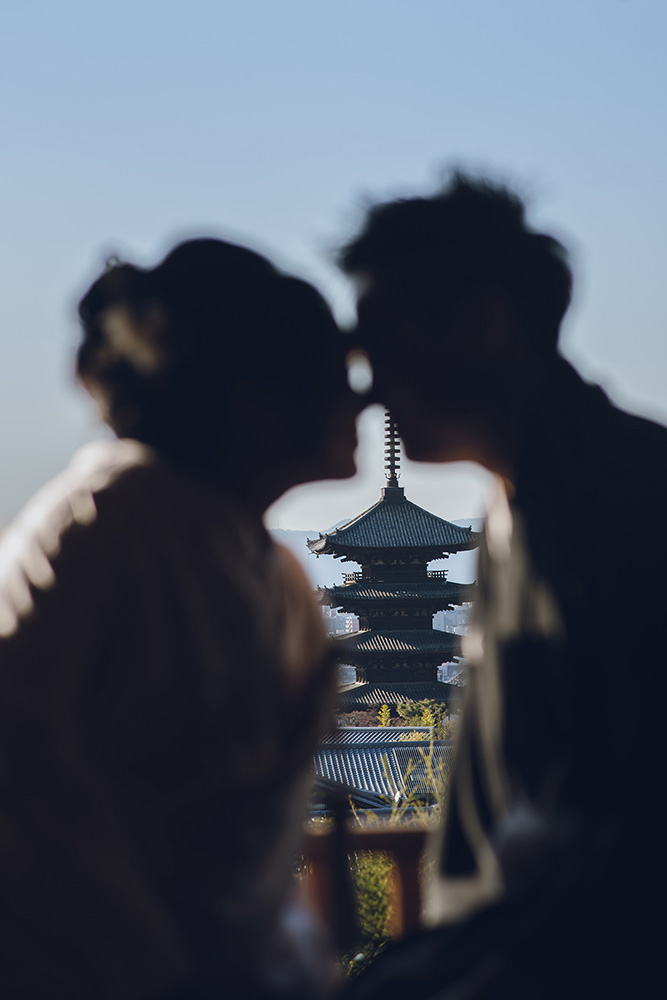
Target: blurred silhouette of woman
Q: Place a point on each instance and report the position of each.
(163, 666)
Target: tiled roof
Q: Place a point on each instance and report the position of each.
(410, 642)
(363, 767)
(432, 590)
(357, 735)
(322, 788)
(370, 694)
(394, 771)
(395, 523)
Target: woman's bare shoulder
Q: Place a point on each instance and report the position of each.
(59, 527)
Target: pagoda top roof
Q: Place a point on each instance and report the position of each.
(395, 523)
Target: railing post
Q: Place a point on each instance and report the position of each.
(331, 892)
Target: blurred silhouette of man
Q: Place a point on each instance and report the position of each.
(552, 832)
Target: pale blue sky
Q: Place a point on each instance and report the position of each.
(128, 125)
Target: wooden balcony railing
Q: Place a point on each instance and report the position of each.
(327, 850)
(432, 574)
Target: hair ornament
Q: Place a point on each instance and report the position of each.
(139, 340)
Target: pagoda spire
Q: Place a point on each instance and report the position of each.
(392, 450)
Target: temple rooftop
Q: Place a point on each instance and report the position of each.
(396, 771)
(395, 523)
(439, 590)
(347, 736)
(372, 694)
(407, 641)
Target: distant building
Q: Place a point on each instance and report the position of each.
(395, 596)
(453, 620)
(337, 624)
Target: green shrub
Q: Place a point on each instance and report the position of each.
(428, 712)
(371, 876)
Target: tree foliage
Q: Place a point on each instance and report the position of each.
(428, 712)
(384, 716)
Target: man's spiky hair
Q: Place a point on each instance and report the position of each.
(471, 230)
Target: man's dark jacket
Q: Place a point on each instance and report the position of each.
(570, 796)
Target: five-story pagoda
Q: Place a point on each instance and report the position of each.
(395, 596)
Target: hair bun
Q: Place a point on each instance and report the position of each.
(121, 284)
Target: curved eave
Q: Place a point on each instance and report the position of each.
(403, 642)
(440, 596)
(319, 546)
(371, 693)
(395, 526)
(328, 545)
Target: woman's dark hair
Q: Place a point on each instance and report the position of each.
(469, 231)
(162, 347)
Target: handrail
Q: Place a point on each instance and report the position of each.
(432, 574)
(404, 843)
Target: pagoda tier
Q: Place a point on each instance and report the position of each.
(362, 596)
(400, 654)
(403, 643)
(365, 694)
(402, 606)
(394, 595)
